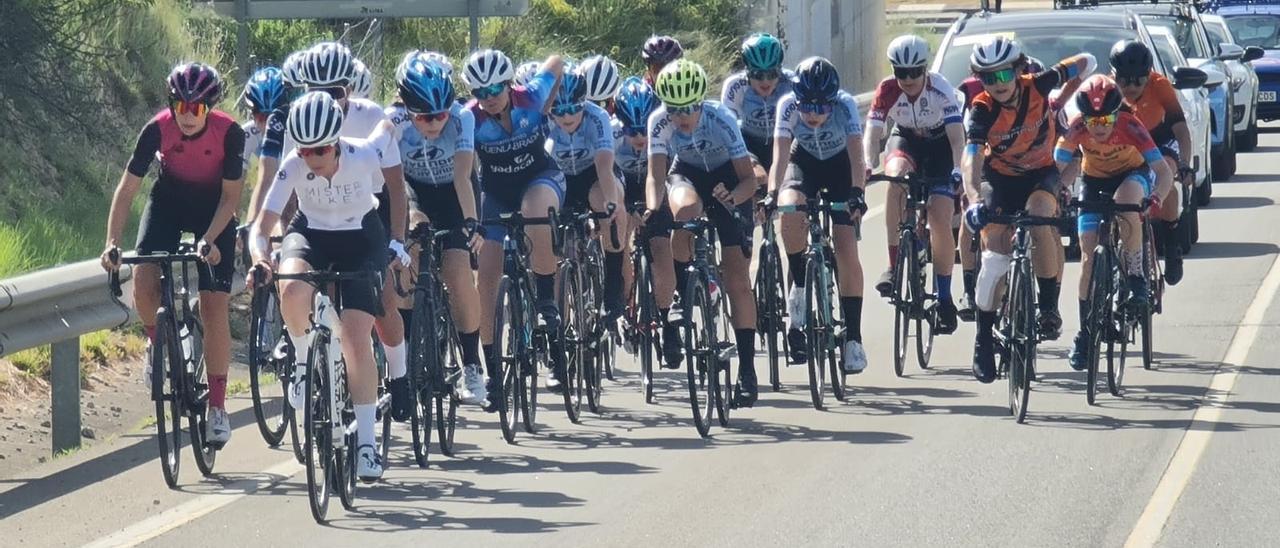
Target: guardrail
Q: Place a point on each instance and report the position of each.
(57, 306)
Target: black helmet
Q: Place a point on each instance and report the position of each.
(1130, 59)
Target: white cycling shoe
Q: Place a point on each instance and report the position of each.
(298, 388)
(473, 391)
(217, 428)
(368, 464)
(855, 358)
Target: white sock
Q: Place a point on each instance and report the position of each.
(300, 347)
(396, 357)
(366, 421)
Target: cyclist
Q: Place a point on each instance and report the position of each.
(437, 150)
(1010, 128)
(337, 227)
(927, 140)
(263, 94)
(525, 72)
(361, 80)
(1153, 100)
(657, 52)
(516, 174)
(197, 191)
(636, 102)
(817, 138)
(602, 81)
(753, 94)
(712, 174)
(581, 141)
(1121, 163)
(272, 141)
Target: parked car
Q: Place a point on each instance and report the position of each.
(1244, 82)
(1195, 106)
(1256, 23)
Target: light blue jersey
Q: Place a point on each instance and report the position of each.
(576, 152)
(713, 143)
(826, 140)
(430, 161)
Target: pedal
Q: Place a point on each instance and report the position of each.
(725, 351)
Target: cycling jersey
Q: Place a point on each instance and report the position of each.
(1158, 108)
(430, 161)
(201, 161)
(360, 119)
(714, 142)
(826, 140)
(924, 117)
(970, 87)
(633, 161)
(1129, 147)
(339, 203)
(576, 152)
(1020, 139)
(512, 159)
(252, 142)
(755, 114)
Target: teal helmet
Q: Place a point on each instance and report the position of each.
(761, 51)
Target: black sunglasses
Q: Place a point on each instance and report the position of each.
(907, 73)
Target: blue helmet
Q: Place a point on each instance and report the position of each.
(816, 81)
(425, 88)
(636, 101)
(266, 91)
(573, 88)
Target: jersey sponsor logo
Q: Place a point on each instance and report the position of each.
(333, 195)
(660, 127)
(275, 124)
(634, 165)
(428, 153)
(519, 163)
(282, 175)
(567, 155)
(762, 115)
(511, 145)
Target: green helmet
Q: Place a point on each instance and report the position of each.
(761, 51)
(681, 83)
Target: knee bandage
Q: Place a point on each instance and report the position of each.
(994, 267)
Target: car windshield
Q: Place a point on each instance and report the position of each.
(1183, 31)
(1217, 34)
(1166, 50)
(1048, 44)
(1256, 30)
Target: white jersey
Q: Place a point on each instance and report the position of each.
(925, 116)
(360, 121)
(252, 142)
(339, 203)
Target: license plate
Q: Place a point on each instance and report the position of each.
(1266, 96)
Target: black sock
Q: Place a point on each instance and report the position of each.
(1084, 314)
(664, 316)
(986, 323)
(470, 347)
(795, 263)
(1048, 293)
(851, 307)
(746, 339)
(1172, 237)
(545, 289)
(406, 315)
(491, 363)
(682, 277)
(613, 279)
(970, 281)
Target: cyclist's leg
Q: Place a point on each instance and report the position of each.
(1166, 221)
(898, 162)
(794, 236)
(487, 279)
(1092, 189)
(837, 180)
(1137, 185)
(685, 204)
(546, 191)
(936, 162)
(215, 308)
(159, 230)
(1008, 194)
(613, 254)
(297, 255)
(389, 324)
(1043, 202)
(968, 264)
(361, 305)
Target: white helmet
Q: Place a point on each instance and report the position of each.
(315, 119)
(908, 51)
(291, 69)
(994, 53)
(327, 64)
(526, 71)
(361, 80)
(601, 75)
(487, 67)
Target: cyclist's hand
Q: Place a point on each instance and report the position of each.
(956, 178)
(212, 256)
(259, 274)
(617, 213)
(475, 235)
(642, 216)
(400, 257)
(976, 217)
(1186, 175)
(722, 194)
(110, 258)
(857, 202)
(1153, 206)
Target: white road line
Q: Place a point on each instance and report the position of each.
(191, 510)
(1146, 532)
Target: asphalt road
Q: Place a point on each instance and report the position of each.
(928, 460)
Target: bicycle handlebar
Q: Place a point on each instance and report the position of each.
(1107, 207)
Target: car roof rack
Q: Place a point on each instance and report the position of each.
(1199, 5)
(1214, 5)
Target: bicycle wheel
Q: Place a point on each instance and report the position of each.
(317, 419)
(646, 325)
(699, 353)
(573, 338)
(927, 309)
(422, 364)
(1099, 316)
(1022, 343)
(769, 311)
(723, 341)
(344, 472)
(817, 330)
(596, 347)
(1117, 347)
(533, 362)
(266, 385)
(509, 347)
(164, 360)
(196, 395)
(1155, 280)
(902, 300)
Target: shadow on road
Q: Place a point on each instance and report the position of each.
(1241, 202)
(1231, 250)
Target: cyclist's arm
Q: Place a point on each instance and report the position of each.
(554, 65)
(977, 126)
(877, 117)
(464, 159)
(971, 170)
(232, 184)
(144, 152)
(656, 182)
(267, 167)
(856, 161)
(871, 143)
(781, 157)
(747, 182)
(1164, 175)
(393, 177)
(604, 172)
(1065, 152)
(955, 136)
(273, 204)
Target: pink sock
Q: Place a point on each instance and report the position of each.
(151, 332)
(218, 391)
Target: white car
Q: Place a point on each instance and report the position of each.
(1244, 82)
(1195, 106)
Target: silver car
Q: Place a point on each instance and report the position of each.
(1244, 82)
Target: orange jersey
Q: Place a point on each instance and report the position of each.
(1158, 108)
(1018, 139)
(1129, 147)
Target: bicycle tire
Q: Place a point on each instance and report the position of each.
(902, 301)
(835, 349)
(272, 417)
(196, 396)
(573, 339)
(508, 343)
(817, 333)
(699, 354)
(1116, 357)
(421, 357)
(420, 424)
(1022, 345)
(445, 395)
(344, 472)
(724, 345)
(1099, 317)
(927, 315)
(769, 311)
(1151, 268)
(646, 326)
(528, 377)
(316, 427)
(168, 415)
(598, 338)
